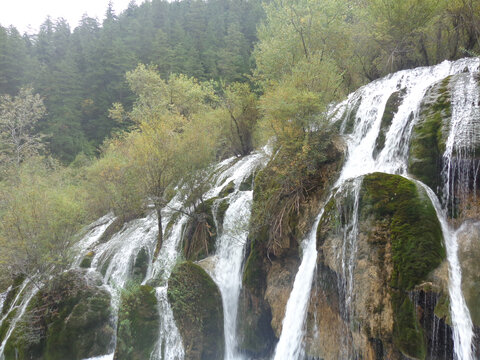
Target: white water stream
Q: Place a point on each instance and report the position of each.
(290, 343)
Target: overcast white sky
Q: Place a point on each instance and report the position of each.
(27, 15)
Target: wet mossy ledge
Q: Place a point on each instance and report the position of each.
(69, 318)
(138, 323)
(430, 133)
(416, 234)
(398, 246)
(416, 245)
(198, 312)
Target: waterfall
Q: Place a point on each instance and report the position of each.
(361, 115)
(290, 343)
(115, 258)
(227, 271)
(18, 308)
(230, 245)
(360, 119)
(460, 168)
(462, 323)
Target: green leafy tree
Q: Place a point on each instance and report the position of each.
(173, 136)
(40, 212)
(18, 117)
(241, 113)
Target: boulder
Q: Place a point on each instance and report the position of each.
(138, 323)
(198, 312)
(366, 282)
(69, 318)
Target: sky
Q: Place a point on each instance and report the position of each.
(27, 15)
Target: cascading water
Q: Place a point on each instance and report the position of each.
(229, 254)
(460, 166)
(290, 344)
(18, 308)
(115, 258)
(365, 108)
(462, 323)
(230, 245)
(364, 111)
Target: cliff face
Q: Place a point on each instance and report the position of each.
(269, 273)
(381, 287)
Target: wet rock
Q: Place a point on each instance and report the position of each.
(198, 311)
(138, 323)
(469, 256)
(69, 318)
(365, 283)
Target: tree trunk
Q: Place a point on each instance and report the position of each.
(160, 233)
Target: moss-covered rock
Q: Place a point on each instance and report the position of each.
(416, 234)
(87, 260)
(140, 266)
(198, 311)
(69, 318)
(416, 246)
(398, 244)
(227, 190)
(138, 323)
(255, 332)
(430, 133)
(391, 108)
(247, 184)
(350, 117)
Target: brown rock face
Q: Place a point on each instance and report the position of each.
(468, 238)
(280, 280)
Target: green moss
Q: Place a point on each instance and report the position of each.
(351, 116)
(407, 332)
(254, 274)
(227, 190)
(140, 266)
(417, 240)
(197, 308)
(335, 215)
(87, 260)
(222, 209)
(391, 108)
(429, 135)
(112, 229)
(138, 323)
(442, 309)
(172, 222)
(416, 246)
(414, 225)
(247, 184)
(67, 319)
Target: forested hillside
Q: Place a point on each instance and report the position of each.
(80, 71)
